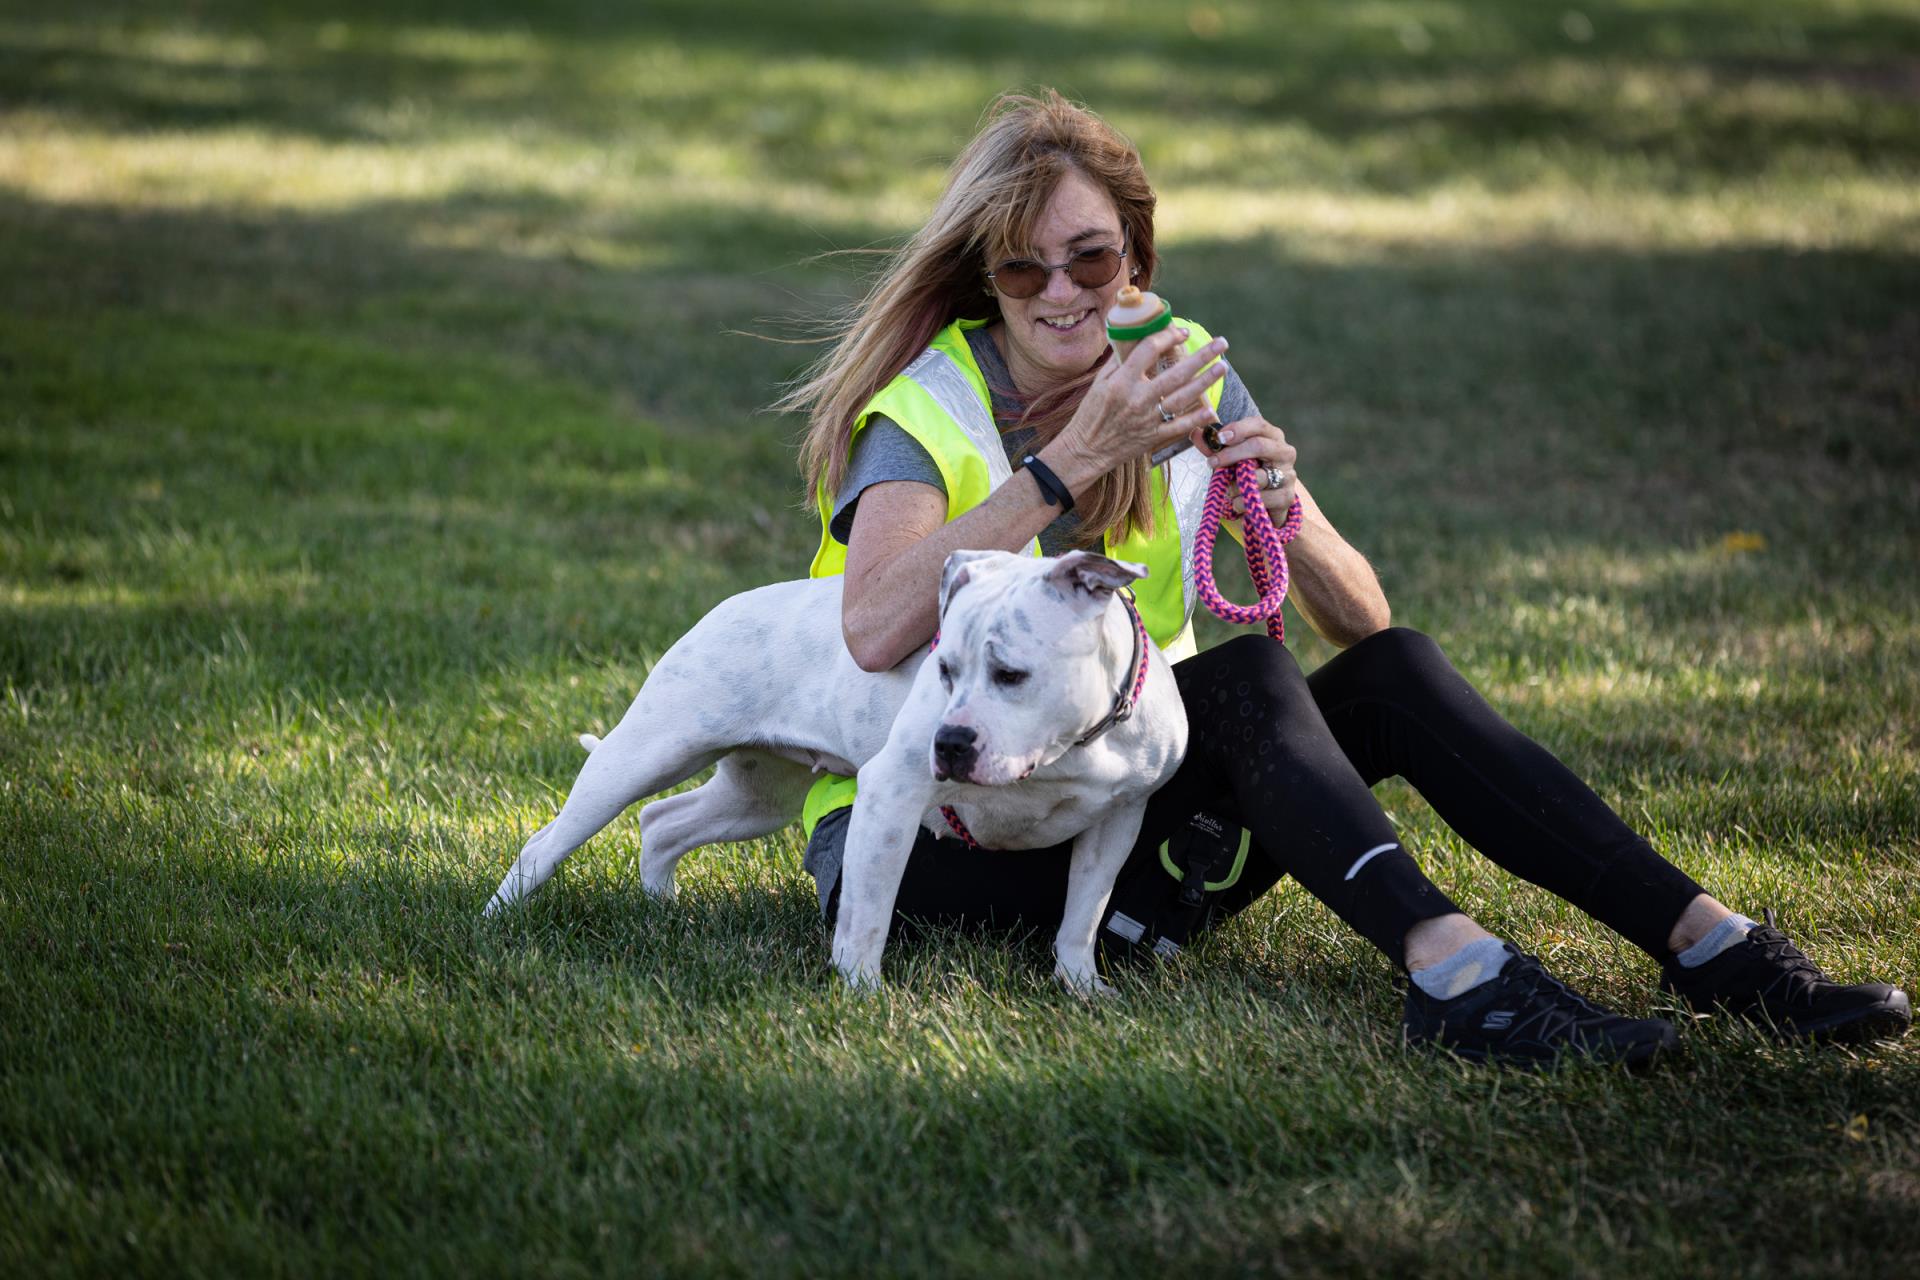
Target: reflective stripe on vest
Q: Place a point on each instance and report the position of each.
(940, 376)
(941, 400)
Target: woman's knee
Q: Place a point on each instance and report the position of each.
(1251, 701)
(1247, 669)
(1399, 644)
(1393, 656)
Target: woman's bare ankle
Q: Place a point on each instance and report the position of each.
(1431, 941)
(1698, 920)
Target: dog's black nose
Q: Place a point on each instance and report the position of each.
(954, 751)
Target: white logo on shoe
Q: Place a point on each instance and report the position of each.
(1498, 1020)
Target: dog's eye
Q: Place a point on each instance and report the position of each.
(1008, 679)
(946, 675)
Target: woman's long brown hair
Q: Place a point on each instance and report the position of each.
(995, 194)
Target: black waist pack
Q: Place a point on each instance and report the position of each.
(1166, 896)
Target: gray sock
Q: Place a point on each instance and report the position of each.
(1465, 969)
(1723, 935)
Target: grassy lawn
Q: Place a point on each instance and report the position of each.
(377, 402)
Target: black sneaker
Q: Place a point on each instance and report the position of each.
(1525, 1015)
(1765, 979)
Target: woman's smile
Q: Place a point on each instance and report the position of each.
(1066, 323)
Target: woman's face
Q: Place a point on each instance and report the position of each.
(1058, 333)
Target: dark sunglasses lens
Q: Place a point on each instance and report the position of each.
(1094, 267)
(1019, 278)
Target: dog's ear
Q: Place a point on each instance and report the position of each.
(955, 575)
(1089, 576)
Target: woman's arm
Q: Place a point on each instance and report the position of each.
(1330, 583)
(899, 542)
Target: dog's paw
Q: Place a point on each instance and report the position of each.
(866, 985)
(656, 876)
(1087, 984)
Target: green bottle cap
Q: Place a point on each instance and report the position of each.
(1135, 332)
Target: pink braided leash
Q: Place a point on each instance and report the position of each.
(1266, 549)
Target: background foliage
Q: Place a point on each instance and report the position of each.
(374, 407)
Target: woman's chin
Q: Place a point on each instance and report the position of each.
(1069, 355)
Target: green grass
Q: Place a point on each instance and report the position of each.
(374, 410)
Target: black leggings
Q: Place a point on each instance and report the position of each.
(1291, 758)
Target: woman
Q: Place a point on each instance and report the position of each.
(980, 351)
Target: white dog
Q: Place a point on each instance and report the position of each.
(1024, 722)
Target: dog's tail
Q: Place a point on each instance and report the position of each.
(588, 741)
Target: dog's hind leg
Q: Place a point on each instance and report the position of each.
(751, 794)
(637, 759)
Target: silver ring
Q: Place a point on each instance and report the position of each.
(1275, 478)
(1164, 415)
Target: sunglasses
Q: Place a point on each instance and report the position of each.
(1089, 268)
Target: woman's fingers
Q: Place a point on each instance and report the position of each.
(1265, 445)
(1169, 379)
(1174, 394)
(1254, 438)
(1275, 501)
(1147, 352)
(1186, 423)
(1195, 388)
(1260, 449)
(1183, 426)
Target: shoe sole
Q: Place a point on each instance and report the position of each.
(1886, 1020)
(1634, 1057)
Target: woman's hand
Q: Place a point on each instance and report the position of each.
(1130, 411)
(1267, 446)
(1334, 587)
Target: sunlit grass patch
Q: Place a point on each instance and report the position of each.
(374, 412)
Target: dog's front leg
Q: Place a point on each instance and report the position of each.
(894, 793)
(1098, 854)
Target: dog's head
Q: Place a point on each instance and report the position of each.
(1019, 659)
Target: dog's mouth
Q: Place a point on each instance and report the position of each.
(989, 771)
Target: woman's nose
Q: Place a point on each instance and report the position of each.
(1060, 286)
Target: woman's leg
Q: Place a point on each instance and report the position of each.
(1398, 708)
(1259, 751)
(1260, 754)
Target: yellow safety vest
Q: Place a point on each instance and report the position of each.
(941, 401)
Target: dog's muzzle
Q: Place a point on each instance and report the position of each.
(955, 751)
